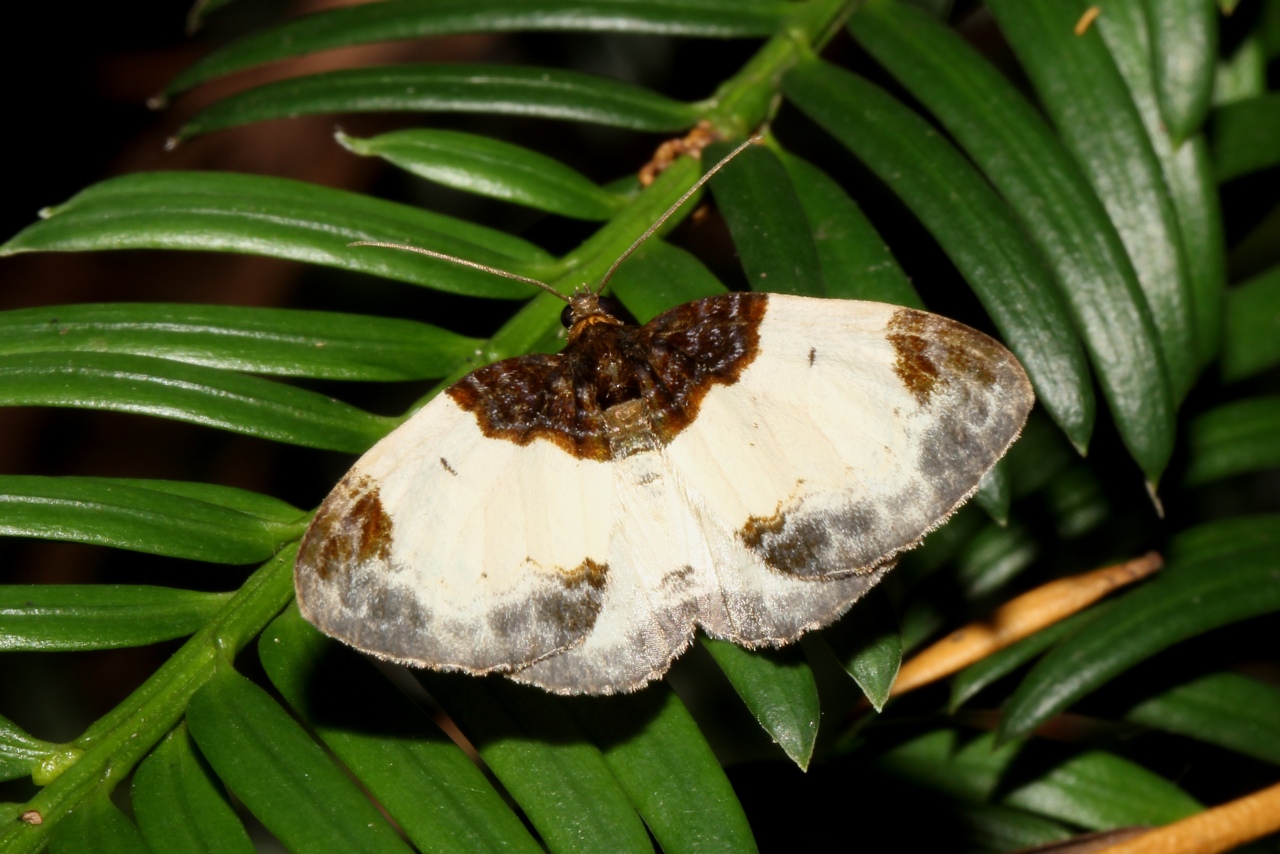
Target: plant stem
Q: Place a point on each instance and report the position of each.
(118, 740)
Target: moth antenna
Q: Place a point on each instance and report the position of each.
(675, 207)
(464, 262)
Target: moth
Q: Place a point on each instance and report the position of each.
(748, 464)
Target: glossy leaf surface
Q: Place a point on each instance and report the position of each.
(257, 340)
(195, 521)
(417, 18)
(283, 777)
(257, 215)
(179, 804)
(512, 90)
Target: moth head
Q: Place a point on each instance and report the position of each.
(585, 309)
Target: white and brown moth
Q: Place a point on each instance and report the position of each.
(749, 464)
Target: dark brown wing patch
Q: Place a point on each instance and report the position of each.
(668, 365)
(932, 349)
(362, 532)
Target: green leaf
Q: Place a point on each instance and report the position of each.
(856, 262)
(201, 10)
(994, 495)
(778, 689)
(1040, 455)
(530, 742)
(1022, 157)
(1241, 72)
(993, 557)
(968, 220)
(221, 524)
(20, 753)
(660, 276)
(59, 617)
(1233, 439)
(869, 645)
(769, 228)
(1187, 169)
(1224, 539)
(279, 218)
(490, 167)
(968, 682)
(1096, 118)
(1185, 600)
(668, 770)
(547, 93)
(1184, 41)
(180, 806)
(1092, 789)
(412, 19)
(996, 829)
(192, 393)
(1246, 136)
(123, 736)
(1225, 709)
(316, 344)
(1252, 341)
(1077, 502)
(98, 827)
(435, 793)
(283, 777)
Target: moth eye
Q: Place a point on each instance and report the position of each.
(566, 316)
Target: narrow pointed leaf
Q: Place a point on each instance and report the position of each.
(994, 557)
(57, 617)
(993, 828)
(1092, 789)
(547, 93)
(283, 777)
(856, 262)
(1225, 709)
(869, 646)
(778, 689)
(1096, 118)
(1188, 170)
(975, 228)
(1246, 136)
(1184, 48)
(556, 775)
(1233, 439)
(258, 340)
(257, 215)
(768, 224)
(1020, 154)
(166, 389)
(1252, 342)
(968, 682)
(1142, 623)
(179, 804)
(994, 494)
(412, 19)
(435, 793)
(664, 754)
(1077, 502)
(146, 516)
(1224, 539)
(1241, 72)
(490, 167)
